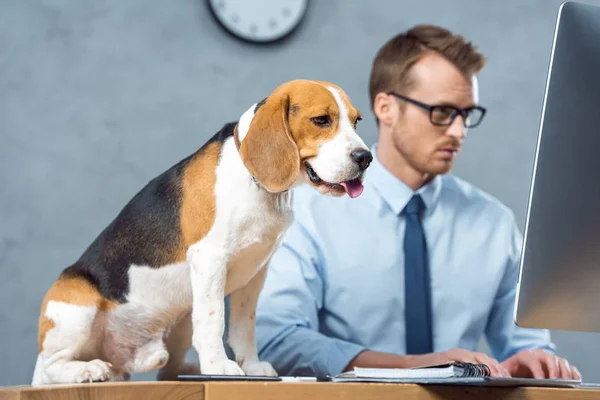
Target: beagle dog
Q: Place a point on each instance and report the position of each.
(152, 284)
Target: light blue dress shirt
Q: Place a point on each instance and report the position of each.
(336, 286)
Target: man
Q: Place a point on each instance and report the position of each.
(422, 265)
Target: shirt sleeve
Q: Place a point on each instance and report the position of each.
(287, 317)
(504, 337)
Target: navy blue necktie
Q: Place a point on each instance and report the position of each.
(417, 298)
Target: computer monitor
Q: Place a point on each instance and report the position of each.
(559, 286)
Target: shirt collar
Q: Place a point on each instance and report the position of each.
(395, 192)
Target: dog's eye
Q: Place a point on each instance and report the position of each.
(321, 120)
(356, 122)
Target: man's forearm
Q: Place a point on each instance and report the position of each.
(374, 359)
(303, 351)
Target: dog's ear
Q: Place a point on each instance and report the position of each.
(268, 149)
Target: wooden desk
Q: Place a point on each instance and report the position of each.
(284, 391)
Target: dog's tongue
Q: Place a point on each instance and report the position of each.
(354, 188)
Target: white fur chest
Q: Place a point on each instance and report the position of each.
(248, 226)
(251, 220)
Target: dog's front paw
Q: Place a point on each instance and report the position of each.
(260, 368)
(224, 367)
(93, 371)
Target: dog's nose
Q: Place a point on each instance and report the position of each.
(362, 157)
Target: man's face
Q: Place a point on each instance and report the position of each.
(428, 148)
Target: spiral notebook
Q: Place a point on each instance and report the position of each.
(449, 370)
(453, 373)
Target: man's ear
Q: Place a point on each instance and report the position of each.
(268, 150)
(384, 109)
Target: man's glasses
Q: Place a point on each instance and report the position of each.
(444, 115)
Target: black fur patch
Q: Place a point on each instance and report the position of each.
(145, 232)
(221, 136)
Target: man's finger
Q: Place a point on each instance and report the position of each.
(504, 371)
(535, 366)
(552, 365)
(495, 369)
(576, 373)
(501, 370)
(565, 369)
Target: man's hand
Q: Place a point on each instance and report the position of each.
(373, 359)
(540, 364)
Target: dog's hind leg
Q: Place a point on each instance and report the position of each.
(66, 346)
(178, 342)
(134, 338)
(68, 334)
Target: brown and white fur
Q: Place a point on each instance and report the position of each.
(153, 283)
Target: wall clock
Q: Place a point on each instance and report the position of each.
(259, 21)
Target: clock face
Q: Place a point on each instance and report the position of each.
(259, 21)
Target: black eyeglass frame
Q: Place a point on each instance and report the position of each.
(464, 112)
